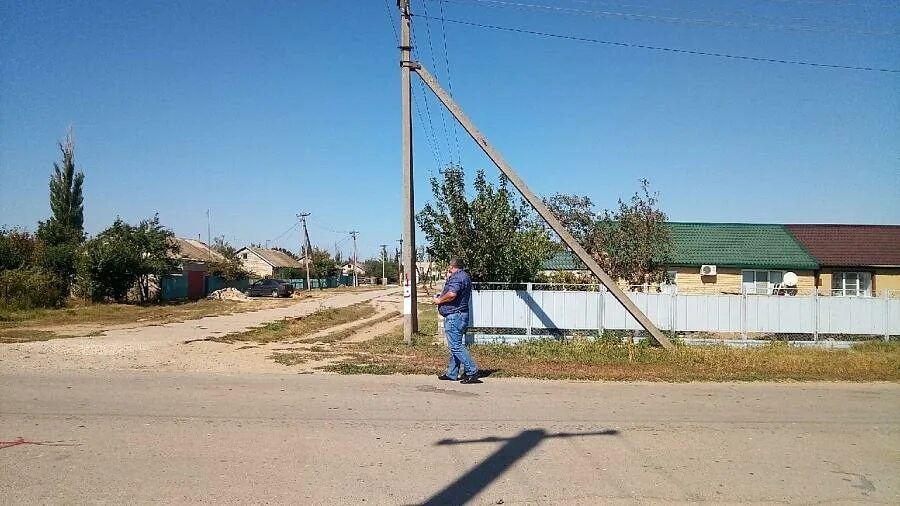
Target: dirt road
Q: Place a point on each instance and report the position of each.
(162, 348)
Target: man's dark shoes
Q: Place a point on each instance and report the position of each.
(469, 379)
(444, 377)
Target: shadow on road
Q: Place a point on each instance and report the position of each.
(479, 477)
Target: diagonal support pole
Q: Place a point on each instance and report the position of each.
(538, 204)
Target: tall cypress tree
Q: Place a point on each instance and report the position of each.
(64, 231)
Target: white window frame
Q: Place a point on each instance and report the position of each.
(842, 286)
(755, 287)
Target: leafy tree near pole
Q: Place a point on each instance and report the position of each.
(64, 231)
(494, 232)
(631, 243)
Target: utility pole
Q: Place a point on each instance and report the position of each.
(400, 263)
(353, 263)
(410, 312)
(538, 205)
(307, 247)
(383, 260)
(208, 239)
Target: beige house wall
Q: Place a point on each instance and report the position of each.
(254, 264)
(729, 280)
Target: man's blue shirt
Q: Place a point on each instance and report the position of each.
(461, 284)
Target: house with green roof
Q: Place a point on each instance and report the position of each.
(726, 258)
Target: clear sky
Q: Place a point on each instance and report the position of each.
(258, 110)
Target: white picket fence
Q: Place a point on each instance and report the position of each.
(531, 311)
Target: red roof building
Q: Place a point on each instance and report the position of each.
(861, 260)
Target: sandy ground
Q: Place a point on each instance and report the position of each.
(180, 346)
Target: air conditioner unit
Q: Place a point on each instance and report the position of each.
(707, 270)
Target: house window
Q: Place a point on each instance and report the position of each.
(851, 284)
(760, 282)
(244, 256)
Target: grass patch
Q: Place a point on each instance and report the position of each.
(340, 335)
(12, 336)
(610, 360)
(112, 314)
(298, 328)
(351, 368)
(296, 358)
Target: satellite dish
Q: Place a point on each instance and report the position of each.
(790, 279)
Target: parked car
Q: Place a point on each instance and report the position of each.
(270, 288)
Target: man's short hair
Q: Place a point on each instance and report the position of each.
(458, 263)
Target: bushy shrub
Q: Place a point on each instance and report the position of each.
(29, 288)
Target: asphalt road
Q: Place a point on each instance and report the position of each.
(142, 437)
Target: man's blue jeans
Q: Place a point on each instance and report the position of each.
(455, 327)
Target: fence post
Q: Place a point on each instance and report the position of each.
(815, 296)
(601, 293)
(744, 313)
(529, 287)
(674, 321)
(887, 316)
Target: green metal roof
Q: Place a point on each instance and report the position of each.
(564, 261)
(738, 245)
(747, 245)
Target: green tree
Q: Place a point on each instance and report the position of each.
(494, 232)
(224, 248)
(372, 267)
(631, 243)
(124, 257)
(18, 249)
(231, 269)
(64, 231)
(321, 263)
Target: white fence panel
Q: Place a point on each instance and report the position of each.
(498, 309)
(563, 310)
(774, 313)
(708, 313)
(590, 310)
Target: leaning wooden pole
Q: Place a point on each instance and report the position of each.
(538, 205)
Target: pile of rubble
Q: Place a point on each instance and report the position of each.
(228, 294)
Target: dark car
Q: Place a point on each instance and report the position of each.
(270, 288)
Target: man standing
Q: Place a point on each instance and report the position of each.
(453, 305)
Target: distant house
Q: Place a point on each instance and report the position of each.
(854, 260)
(189, 281)
(264, 262)
(725, 258)
(348, 268)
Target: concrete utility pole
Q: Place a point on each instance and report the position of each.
(353, 263)
(383, 260)
(539, 206)
(307, 247)
(410, 313)
(400, 263)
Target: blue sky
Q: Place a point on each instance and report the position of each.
(257, 110)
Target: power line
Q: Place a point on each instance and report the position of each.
(295, 225)
(669, 49)
(449, 79)
(390, 15)
(674, 19)
(433, 60)
(432, 141)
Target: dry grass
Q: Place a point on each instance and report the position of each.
(12, 336)
(342, 334)
(606, 360)
(296, 358)
(298, 328)
(117, 314)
